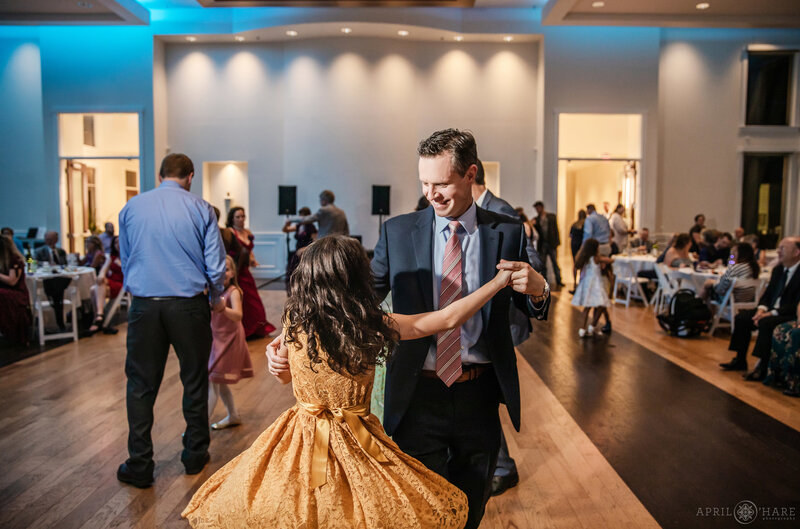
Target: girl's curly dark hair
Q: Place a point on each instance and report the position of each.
(333, 303)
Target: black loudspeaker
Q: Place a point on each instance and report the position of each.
(380, 200)
(287, 200)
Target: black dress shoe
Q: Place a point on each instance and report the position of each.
(196, 467)
(733, 365)
(125, 475)
(500, 484)
(792, 393)
(606, 329)
(755, 376)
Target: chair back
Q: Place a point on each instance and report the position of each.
(664, 281)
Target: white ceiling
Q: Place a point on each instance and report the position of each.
(674, 13)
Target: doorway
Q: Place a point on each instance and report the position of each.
(100, 168)
(225, 185)
(599, 162)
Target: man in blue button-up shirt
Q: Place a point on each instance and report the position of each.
(596, 227)
(171, 253)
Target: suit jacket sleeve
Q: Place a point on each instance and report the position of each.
(523, 302)
(380, 265)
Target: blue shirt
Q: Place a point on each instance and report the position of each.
(596, 227)
(469, 236)
(170, 244)
(106, 239)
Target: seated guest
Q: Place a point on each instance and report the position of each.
(761, 255)
(699, 222)
(642, 243)
(107, 237)
(15, 313)
(745, 267)
(784, 362)
(8, 232)
(777, 305)
(717, 252)
(696, 233)
(109, 284)
(738, 234)
(678, 254)
(95, 257)
(49, 253)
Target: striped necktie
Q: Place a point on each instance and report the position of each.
(448, 343)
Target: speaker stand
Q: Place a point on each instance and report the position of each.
(380, 224)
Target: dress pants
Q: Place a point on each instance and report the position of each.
(548, 251)
(154, 325)
(740, 340)
(455, 432)
(505, 463)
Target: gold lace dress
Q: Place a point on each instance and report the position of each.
(326, 462)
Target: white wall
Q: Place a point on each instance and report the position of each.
(701, 93)
(346, 114)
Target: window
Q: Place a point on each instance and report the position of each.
(763, 197)
(769, 88)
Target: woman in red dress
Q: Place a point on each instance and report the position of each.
(109, 283)
(15, 310)
(254, 317)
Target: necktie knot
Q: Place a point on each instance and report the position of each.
(454, 226)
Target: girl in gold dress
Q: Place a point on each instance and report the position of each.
(327, 462)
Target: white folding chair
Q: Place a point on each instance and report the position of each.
(731, 303)
(625, 276)
(123, 298)
(40, 303)
(666, 288)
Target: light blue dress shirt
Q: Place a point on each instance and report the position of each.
(596, 227)
(170, 244)
(472, 351)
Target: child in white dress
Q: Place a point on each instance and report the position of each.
(592, 291)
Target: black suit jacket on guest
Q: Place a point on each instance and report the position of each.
(491, 202)
(790, 296)
(403, 263)
(43, 254)
(551, 237)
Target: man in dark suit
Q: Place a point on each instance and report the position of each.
(506, 475)
(549, 240)
(443, 393)
(777, 305)
(49, 252)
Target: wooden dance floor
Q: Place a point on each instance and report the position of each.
(633, 430)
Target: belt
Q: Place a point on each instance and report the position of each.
(351, 415)
(468, 372)
(168, 298)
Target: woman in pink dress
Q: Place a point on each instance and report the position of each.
(255, 318)
(230, 360)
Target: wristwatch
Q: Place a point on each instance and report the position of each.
(544, 294)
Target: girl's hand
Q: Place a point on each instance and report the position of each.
(502, 279)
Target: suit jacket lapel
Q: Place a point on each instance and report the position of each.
(490, 246)
(422, 238)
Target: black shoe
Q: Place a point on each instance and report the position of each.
(755, 375)
(606, 329)
(110, 330)
(126, 476)
(500, 484)
(196, 467)
(789, 393)
(572, 291)
(733, 365)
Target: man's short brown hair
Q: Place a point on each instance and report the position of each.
(176, 165)
(459, 144)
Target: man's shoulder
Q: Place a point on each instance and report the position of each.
(486, 216)
(406, 219)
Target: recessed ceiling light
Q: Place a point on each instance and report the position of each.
(347, 31)
(459, 38)
(191, 39)
(403, 33)
(598, 4)
(239, 38)
(703, 5)
(291, 33)
(508, 38)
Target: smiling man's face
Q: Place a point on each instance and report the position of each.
(449, 193)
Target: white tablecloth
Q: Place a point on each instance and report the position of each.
(695, 279)
(635, 263)
(86, 278)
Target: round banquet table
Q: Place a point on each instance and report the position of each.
(635, 263)
(86, 278)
